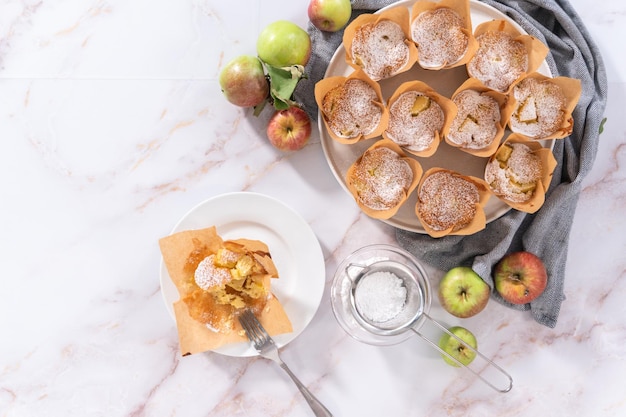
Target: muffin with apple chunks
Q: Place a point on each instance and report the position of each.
(382, 178)
(419, 117)
(481, 117)
(519, 173)
(543, 106)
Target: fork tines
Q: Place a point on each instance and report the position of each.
(253, 328)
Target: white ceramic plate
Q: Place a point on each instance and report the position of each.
(445, 82)
(293, 245)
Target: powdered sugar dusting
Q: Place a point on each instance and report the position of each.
(476, 123)
(208, 275)
(549, 108)
(380, 49)
(416, 133)
(381, 178)
(446, 200)
(439, 37)
(513, 181)
(499, 60)
(351, 109)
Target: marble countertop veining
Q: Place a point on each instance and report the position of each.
(112, 127)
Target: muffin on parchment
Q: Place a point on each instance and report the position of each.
(543, 106)
(419, 117)
(382, 178)
(481, 117)
(379, 44)
(449, 203)
(519, 173)
(442, 32)
(504, 55)
(352, 107)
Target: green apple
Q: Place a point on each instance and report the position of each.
(520, 277)
(462, 292)
(243, 81)
(457, 349)
(283, 44)
(329, 15)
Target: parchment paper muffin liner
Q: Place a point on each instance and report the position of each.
(447, 106)
(548, 165)
(194, 336)
(399, 15)
(506, 108)
(325, 85)
(478, 222)
(415, 166)
(535, 49)
(462, 8)
(571, 88)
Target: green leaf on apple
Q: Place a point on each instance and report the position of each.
(283, 82)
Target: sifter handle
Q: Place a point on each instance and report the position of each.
(489, 361)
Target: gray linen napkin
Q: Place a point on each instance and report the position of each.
(545, 233)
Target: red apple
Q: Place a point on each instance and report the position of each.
(289, 130)
(520, 277)
(329, 15)
(283, 44)
(243, 81)
(462, 292)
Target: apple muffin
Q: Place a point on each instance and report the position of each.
(514, 172)
(442, 31)
(541, 108)
(418, 118)
(499, 61)
(448, 202)
(519, 173)
(382, 178)
(476, 123)
(352, 107)
(379, 45)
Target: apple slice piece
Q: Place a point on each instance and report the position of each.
(420, 104)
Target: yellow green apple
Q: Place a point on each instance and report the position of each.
(283, 43)
(243, 81)
(329, 15)
(462, 292)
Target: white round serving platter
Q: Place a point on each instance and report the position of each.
(340, 156)
(294, 247)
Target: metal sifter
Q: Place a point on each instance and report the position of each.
(412, 294)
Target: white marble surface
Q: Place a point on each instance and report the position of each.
(112, 126)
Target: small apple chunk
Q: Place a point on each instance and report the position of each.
(243, 81)
(290, 129)
(455, 348)
(283, 44)
(520, 277)
(462, 292)
(329, 15)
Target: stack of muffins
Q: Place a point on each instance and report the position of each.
(501, 113)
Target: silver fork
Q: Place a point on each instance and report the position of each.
(266, 347)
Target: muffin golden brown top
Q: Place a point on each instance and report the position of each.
(381, 178)
(350, 109)
(499, 61)
(446, 200)
(414, 119)
(380, 49)
(540, 108)
(476, 123)
(439, 36)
